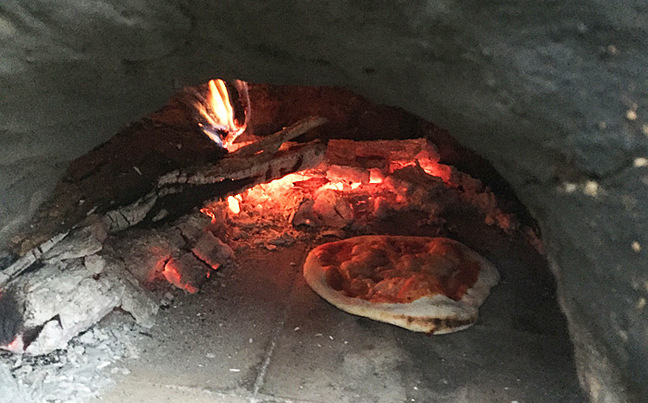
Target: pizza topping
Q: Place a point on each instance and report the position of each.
(386, 278)
(333, 278)
(399, 270)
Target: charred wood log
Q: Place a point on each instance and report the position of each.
(180, 191)
(271, 144)
(125, 171)
(109, 181)
(66, 284)
(71, 287)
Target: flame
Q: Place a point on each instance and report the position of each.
(221, 126)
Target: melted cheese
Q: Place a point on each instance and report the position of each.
(399, 271)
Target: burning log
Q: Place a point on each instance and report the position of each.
(180, 191)
(271, 144)
(71, 283)
(190, 270)
(172, 194)
(262, 160)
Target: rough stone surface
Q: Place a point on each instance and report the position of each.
(258, 333)
(554, 94)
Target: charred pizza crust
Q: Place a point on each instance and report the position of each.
(434, 314)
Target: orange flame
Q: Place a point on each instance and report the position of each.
(219, 115)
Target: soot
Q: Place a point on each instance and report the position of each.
(10, 317)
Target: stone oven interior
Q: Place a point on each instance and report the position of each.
(241, 323)
(552, 94)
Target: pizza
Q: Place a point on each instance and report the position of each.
(425, 284)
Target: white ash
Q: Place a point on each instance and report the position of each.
(82, 370)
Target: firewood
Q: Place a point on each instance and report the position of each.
(73, 283)
(73, 288)
(29, 258)
(91, 185)
(229, 175)
(271, 143)
(178, 192)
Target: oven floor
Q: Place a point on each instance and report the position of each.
(259, 334)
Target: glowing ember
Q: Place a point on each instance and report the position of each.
(339, 193)
(434, 169)
(333, 186)
(16, 346)
(269, 192)
(221, 125)
(208, 213)
(361, 186)
(174, 277)
(375, 176)
(233, 204)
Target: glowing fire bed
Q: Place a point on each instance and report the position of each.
(191, 187)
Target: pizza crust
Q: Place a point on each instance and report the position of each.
(436, 314)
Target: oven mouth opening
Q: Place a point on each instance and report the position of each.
(175, 208)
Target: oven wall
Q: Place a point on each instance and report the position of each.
(554, 95)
